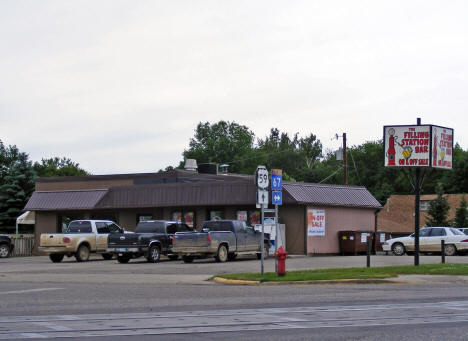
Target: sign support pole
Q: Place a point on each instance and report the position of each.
(276, 237)
(417, 196)
(262, 243)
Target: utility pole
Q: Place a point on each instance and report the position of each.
(345, 163)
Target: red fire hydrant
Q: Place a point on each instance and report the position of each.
(281, 258)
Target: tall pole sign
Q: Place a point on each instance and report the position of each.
(262, 182)
(276, 199)
(420, 147)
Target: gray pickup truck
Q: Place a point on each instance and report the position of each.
(223, 239)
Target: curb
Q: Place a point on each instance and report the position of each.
(318, 282)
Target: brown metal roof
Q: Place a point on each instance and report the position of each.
(64, 200)
(331, 195)
(180, 194)
(199, 193)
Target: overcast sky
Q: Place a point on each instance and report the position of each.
(119, 86)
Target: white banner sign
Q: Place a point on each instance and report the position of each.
(418, 146)
(442, 147)
(315, 222)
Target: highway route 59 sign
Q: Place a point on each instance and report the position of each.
(261, 177)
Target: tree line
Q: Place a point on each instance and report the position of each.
(18, 175)
(302, 159)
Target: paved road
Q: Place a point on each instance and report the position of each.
(103, 300)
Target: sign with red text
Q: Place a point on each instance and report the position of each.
(315, 222)
(442, 147)
(418, 146)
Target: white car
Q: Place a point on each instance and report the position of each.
(430, 241)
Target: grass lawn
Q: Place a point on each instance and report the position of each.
(354, 273)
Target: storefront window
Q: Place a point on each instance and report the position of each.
(242, 215)
(188, 218)
(216, 215)
(177, 216)
(144, 217)
(255, 218)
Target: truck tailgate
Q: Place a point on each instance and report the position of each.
(122, 240)
(183, 239)
(48, 240)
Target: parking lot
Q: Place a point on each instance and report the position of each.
(41, 269)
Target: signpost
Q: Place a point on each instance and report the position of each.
(420, 147)
(262, 182)
(276, 199)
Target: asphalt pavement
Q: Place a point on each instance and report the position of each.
(171, 300)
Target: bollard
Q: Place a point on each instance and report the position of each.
(368, 252)
(442, 246)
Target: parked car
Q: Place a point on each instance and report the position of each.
(81, 238)
(464, 230)
(223, 239)
(151, 239)
(430, 241)
(6, 246)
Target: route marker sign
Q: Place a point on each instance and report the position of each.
(261, 177)
(277, 198)
(276, 179)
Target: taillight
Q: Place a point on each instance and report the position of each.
(66, 240)
(208, 238)
(172, 239)
(464, 241)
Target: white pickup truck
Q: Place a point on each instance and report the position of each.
(81, 238)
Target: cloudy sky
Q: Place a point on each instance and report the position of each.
(119, 86)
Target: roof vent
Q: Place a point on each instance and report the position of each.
(224, 168)
(191, 165)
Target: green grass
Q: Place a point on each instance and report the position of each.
(353, 273)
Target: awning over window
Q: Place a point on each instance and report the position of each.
(64, 200)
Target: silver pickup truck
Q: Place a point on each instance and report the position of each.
(223, 239)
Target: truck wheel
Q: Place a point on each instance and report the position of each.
(107, 256)
(265, 253)
(222, 254)
(187, 259)
(123, 259)
(4, 251)
(82, 255)
(56, 258)
(154, 254)
(173, 257)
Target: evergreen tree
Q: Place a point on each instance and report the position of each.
(16, 184)
(461, 214)
(438, 209)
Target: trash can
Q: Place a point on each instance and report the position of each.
(379, 239)
(354, 241)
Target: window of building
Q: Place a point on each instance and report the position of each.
(189, 218)
(216, 215)
(177, 216)
(144, 217)
(424, 205)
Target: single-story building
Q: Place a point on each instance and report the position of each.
(397, 215)
(312, 213)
